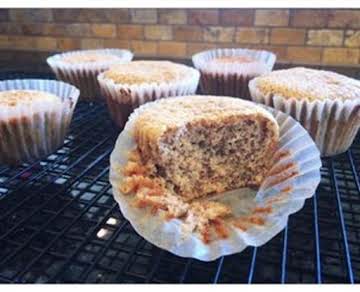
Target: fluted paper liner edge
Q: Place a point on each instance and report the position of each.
(84, 75)
(35, 132)
(231, 79)
(333, 124)
(122, 99)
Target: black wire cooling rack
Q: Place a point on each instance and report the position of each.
(59, 223)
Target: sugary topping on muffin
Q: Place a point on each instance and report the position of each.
(232, 60)
(138, 72)
(89, 58)
(12, 98)
(309, 84)
(175, 112)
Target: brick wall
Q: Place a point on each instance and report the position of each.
(325, 36)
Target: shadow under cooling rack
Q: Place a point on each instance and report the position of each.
(59, 223)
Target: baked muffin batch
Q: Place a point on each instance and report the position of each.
(187, 146)
(327, 104)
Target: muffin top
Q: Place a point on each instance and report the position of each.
(14, 98)
(87, 57)
(166, 114)
(139, 72)
(308, 84)
(231, 60)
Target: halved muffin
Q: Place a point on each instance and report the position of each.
(130, 85)
(207, 144)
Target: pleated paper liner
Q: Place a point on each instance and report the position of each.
(231, 79)
(122, 99)
(84, 75)
(291, 181)
(31, 133)
(332, 124)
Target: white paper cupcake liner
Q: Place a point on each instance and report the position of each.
(332, 124)
(29, 133)
(293, 178)
(122, 99)
(231, 79)
(84, 75)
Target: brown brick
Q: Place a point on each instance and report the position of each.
(143, 15)
(244, 17)
(91, 43)
(309, 17)
(4, 42)
(304, 55)
(172, 49)
(352, 38)
(172, 16)
(90, 15)
(72, 29)
(344, 18)
(144, 48)
(5, 27)
(219, 34)
(287, 36)
(193, 48)
(130, 32)
(35, 28)
(22, 42)
(45, 43)
(325, 37)
(252, 35)
(31, 15)
(272, 17)
(158, 32)
(65, 44)
(4, 14)
(279, 51)
(103, 30)
(11, 28)
(203, 16)
(341, 56)
(114, 43)
(188, 33)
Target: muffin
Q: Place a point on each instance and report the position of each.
(34, 117)
(327, 104)
(81, 68)
(130, 85)
(228, 71)
(207, 144)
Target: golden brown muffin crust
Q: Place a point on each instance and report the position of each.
(12, 98)
(139, 72)
(231, 60)
(89, 58)
(172, 113)
(309, 84)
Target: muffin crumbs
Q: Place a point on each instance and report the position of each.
(207, 218)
